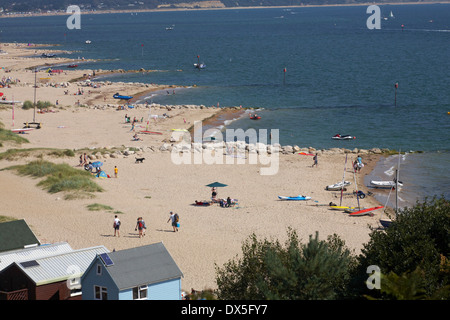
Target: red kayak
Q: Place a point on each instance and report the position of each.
(255, 117)
(363, 212)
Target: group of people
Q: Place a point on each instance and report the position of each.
(141, 226)
(223, 203)
(358, 164)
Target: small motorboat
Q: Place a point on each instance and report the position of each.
(381, 184)
(88, 41)
(200, 65)
(342, 137)
(294, 198)
(255, 117)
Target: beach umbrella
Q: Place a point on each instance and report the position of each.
(216, 185)
(97, 164)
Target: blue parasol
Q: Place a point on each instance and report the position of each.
(97, 164)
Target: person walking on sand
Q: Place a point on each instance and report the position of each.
(144, 227)
(116, 226)
(139, 226)
(116, 171)
(174, 218)
(315, 161)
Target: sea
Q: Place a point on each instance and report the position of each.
(309, 72)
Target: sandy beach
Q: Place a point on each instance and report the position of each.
(151, 189)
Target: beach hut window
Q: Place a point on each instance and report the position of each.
(101, 293)
(140, 293)
(99, 270)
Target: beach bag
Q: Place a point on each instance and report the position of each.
(178, 224)
(177, 218)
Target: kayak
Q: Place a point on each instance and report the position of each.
(294, 198)
(342, 208)
(149, 132)
(306, 154)
(363, 212)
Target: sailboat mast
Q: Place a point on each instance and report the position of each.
(34, 112)
(396, 185)
(343, 179)
(356, 186)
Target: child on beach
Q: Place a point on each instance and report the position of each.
(315, 161)
(115, 171)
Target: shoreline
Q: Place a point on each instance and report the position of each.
(220, 8)
(159, 185)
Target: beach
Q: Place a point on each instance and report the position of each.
(208, 236)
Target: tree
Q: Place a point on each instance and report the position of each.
(414, 247)
(315, 270)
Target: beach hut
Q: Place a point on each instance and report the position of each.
(143, 273)
(16, 234)
(54, 277)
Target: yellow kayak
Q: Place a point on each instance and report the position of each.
(342, 208)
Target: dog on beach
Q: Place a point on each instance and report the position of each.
(141, 160)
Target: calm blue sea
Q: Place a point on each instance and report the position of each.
(339, 75)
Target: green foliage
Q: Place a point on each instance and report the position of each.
(268, 270)
(99, 207)
(8, 135)
(59, 177)
(14, 154)
(417, 240)
(27, 105)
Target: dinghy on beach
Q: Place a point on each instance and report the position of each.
(337, 186)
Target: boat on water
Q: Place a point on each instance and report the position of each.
(343, 137)
(295, 198)
(337, 186)
(254, 117)
(88, 41)
(118, 96)
(382, 184)
(72, 66)
(200, 65)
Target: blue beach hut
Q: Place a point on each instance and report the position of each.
(143, 273)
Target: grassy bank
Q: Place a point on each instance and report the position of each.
(75, 183)
(9, 136)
